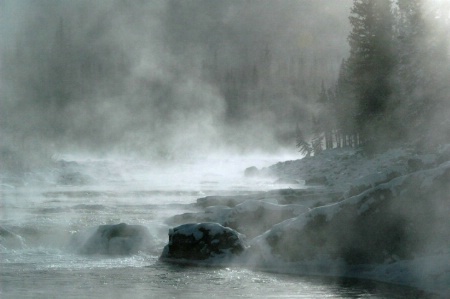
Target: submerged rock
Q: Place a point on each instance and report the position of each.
(203, 242)
(115, 239)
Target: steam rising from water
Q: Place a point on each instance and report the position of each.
(144, 77)
(166, 79)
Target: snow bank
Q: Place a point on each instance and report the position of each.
(347, 169)
(396, 232)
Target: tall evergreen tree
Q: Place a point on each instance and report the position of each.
(435, 50)
(409, 101)
(371, 64)
(325, 117)
(394, 85)
(422, 73)
(303, 146)
(345, 107)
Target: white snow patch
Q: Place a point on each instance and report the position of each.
(347, 168)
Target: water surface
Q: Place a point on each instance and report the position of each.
(39, 263)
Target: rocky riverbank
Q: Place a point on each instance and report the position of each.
(383, 218)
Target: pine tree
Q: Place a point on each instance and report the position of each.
(317, 143)
(318, 136)
(325, 120)
(422, 73)
(370, 64)
(433, 49)
(410, 100)
(303, 146)
(394, 85)
(345, 107)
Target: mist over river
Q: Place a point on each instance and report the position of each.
(118, 118)
(41, 213)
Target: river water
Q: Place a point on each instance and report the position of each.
(39, 263)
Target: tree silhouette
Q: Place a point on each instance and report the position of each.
(371, 63)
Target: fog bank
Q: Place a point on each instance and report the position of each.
(163, 78)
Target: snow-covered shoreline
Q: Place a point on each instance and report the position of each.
(381, 218)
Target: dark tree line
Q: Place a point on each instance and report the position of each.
(258, 80)
(393, 87)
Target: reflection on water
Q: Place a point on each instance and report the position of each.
(148, 278)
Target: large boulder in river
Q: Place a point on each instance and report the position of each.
(114, 239)
(200, 242)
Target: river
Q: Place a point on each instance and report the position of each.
(39, 263)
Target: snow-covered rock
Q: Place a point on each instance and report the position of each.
(395, 223)
(251, 217)
(346, 169)
(254, 217)
(203, 242)
(115, 239)
(383, 217)
(218, 214)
